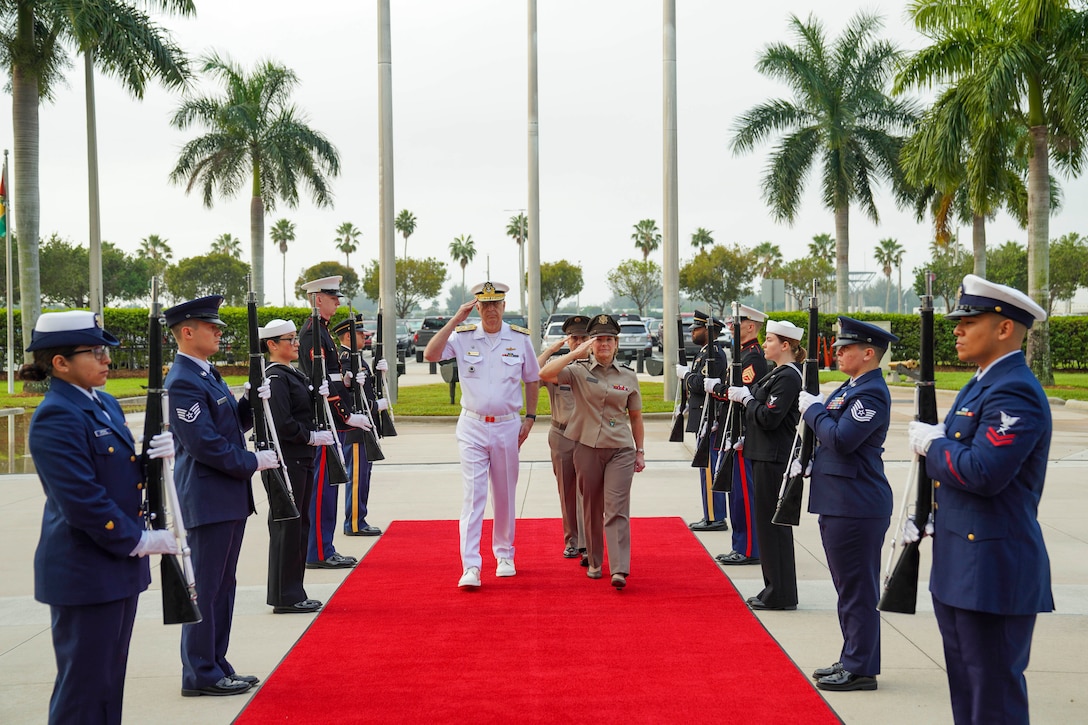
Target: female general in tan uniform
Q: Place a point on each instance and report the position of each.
(606, 426)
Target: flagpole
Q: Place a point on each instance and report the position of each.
(7, 276)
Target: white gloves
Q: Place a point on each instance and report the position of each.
(264, 392)
(922, 434)
(159, 541)
(358, 420)
(323, 391)
(740, 394)
(682, 371)
(322, 438)
(805, 399)
(266, 460)
(710, 383)
(910, 530)
(739, 445)
(382, 403)
(346, 378)
(381, 366)
(795, 468)
(161, 446)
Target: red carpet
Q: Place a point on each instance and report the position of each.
(399, 643)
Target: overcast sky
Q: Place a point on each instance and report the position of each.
(460, 133)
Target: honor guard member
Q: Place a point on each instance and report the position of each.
(357, 490)
(90, 565)
(851, 494)
(493, 360)
(214, 480)
(742, 512)
(292, 406)
(991, 572)
(325, 295)
(710, 362)
(562, 448)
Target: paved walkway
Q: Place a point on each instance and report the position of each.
(420, 480)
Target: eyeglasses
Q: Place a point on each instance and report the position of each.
(100, 352)
(293, 340)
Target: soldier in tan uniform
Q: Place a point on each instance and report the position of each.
(562, 448)
(608, 433)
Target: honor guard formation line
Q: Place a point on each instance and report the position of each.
(312, 418)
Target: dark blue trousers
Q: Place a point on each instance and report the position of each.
(90, 642)
(204, 645)
(852, 547)
(357, 490)
(742, 508)
(986, 655)
(714, 502)
(323, 507)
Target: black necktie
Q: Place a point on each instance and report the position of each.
(215, 374)
(100, 404)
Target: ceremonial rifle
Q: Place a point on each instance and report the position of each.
(179, 604)
(281, 501)
(901, 586)
(359, 401)
(386, 428)
(335, 466)
(677, 434)
(788, 510)
(734, 415)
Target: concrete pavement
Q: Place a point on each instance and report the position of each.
(420, 480)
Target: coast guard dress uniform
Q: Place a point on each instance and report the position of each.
(213, 475)
(991, 571)
(710, 362)
(89, 566)
(851, 494)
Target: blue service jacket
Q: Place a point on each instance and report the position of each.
(988, 550)
(212, 467)
(847, 470)
(93, 481)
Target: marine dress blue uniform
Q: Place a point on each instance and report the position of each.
(991, 571)
(709, 362)
(213, 473)
(851, 494)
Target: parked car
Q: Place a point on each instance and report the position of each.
(554, 334)
(634, 338)
(653, 326)
(405, 342)
(413, 323)
(427, 328)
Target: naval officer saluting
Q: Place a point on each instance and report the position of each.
(493, 360)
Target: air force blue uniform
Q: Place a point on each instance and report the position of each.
(213, 474)
(90, 470)
(991, 572)
(851, 494)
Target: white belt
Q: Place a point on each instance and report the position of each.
(489, 418)
(336, 377)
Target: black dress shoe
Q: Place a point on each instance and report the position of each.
(225, 686)
(846, 681)
(825, 671)
(709, 526)
(248, 679)
(335, 561)
(757, 603)
(367, 530)
(733, 558)
(306, 606)
(585, 560)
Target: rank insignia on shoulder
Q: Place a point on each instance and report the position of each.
(464, 328)
(519, 328)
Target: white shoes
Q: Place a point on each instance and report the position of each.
(505, 568)
(471, 578)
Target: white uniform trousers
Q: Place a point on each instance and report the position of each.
(488, 449)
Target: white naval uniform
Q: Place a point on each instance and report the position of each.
(491, 375)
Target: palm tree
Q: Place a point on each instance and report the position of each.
(822, 246)
(405, 223)
(126, 44)
(228, 244)
(840, 115)
(887, 252)
(702, 238)
(347, 240)
(283, 231)
(158, 253)
(1024, 64)
(646, 237)
(462, 250)
(518, 229)
(768, 258)
(253, 134)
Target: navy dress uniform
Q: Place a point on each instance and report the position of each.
(360, 469)
(213, 474)
(991, 572)
(89, 566)
(851, 495)
(710, 362)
